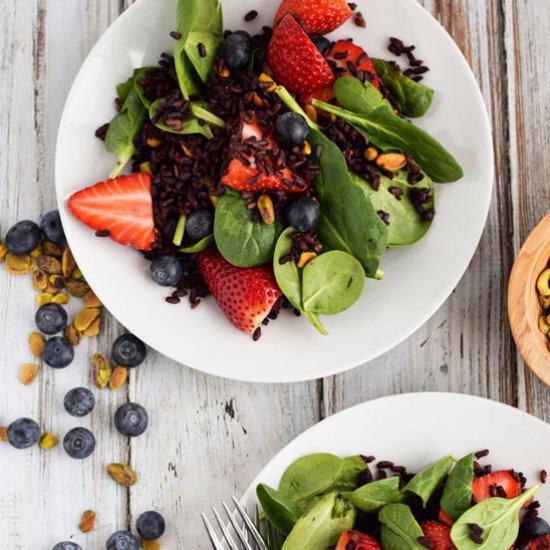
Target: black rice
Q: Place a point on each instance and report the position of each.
(251, 15)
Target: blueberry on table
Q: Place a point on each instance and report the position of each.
(23, 238)
(23, 433)
(79, 443)
(122, 540)
(67, 546)
(303, 214)
(292, 129)
(50, 224)
(150, 526)
(532, 527)
(200, 224)
(236, 50)
(50, 318)
(131, 419)
(58, 352)
(128, 351)
(79, 402)
(166, 270)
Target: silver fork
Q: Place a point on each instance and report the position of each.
(236, 531)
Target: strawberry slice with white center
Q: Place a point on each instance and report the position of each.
(245, 295)
(319, 16)
(122, 206)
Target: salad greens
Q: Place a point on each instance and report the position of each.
(140, 74)
(374, 496)
(425, 482)
(457, 493)
(400, 530)
(198, 246)
(190, 125)
(283, 513)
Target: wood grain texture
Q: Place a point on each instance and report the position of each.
(209, 437)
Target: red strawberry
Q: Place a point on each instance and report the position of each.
(504, 479)
(324, 94)
(438, 534)
(539, 543)
(122, 206)
(245, 295)
(355, 540)
(443, 517)
(297, 64)
(319, 16)
(355, 54)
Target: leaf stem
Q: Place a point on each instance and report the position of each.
(180, 230)
(293, 105)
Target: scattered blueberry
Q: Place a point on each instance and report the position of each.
(23, 433)
(236, 50)
(58, 352)
(131, 419)
(52, 228)
(67, 546)
(23, 238)
(122, 540)
(200, 224)
(533, 527)
(303, 214)
(292, 129)
(79, 443)
(166, 270)
(150, 525)
(322, 43)
(79, 402)
(128, 351)
(50, 318)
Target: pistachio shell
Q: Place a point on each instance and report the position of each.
(61, 298)
(48, 441)
(102, 370)
(78, 289)
(86, 317)
(94, 329)
(3, 433)
(119, 376)
(51, 249)
(44, 298)
(26, 271)
(122, 474)
(36, 344)
(3, 252)
(50, 264)
(57, 281)
(87, 521)
(72, 335)
(67, 263)
(18, 263)
(39, 280)
(28, 373)
(91, 300)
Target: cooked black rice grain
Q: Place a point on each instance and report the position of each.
(251, 15)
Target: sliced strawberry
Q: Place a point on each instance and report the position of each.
(443, 517)
(539, 543)
(319, 16)
(297, 64)
(438, 534)
(245, 295)
(355, 540)
(122, 206)
(481, 485)
(356, 55)
(324, 94)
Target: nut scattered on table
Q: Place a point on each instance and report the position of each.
(543, 291)
(87, 521)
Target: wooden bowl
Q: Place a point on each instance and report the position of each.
(523, 306)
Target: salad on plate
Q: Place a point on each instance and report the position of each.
(271, 171)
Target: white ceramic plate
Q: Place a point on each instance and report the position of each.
(418, 428)
(418, 279)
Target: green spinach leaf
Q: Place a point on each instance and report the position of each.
(201, 110)
(499, 519)
(198, 246)
(124, 88)
(280, 511)
(413, 98)
(374, 496)
(354, 466)
(332, 283)
(140, 74)
(400, 530)
(425, 482)
(191, 124)
(240, 241)
(457, 493)
(355, 96)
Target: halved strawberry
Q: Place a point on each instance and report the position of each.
(319, 16)
(438, 534)
(297, 64)
(356, 55)
(443, 517)
(481, 485)
(245, 295)
(122, 206)
(355, 540)
(539, 543)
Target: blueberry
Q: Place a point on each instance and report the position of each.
(200, 224)
(23, 433)
(533, 527)
(150, 525)
(303, 214)
(79, 402)
(131, 419)
(166, 270)
(58, 352)
(79, 443)
(292, 129)
(23, 238)
(322, 44)
(50, 318)
(67, 546)
(122, 540)
(128, 351)
(52, 228)
(236, 51)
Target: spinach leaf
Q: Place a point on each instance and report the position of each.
(289, 279)
(499, 519)
(332, 283)
(425, 482)
(201, 110)
(354, 466)
(413, 98)
(191, 124)
(355, 96)
(198, 246)
(311, 475)
(280, 511)
(405, 225)
(123, 129)
(322, 526)
(124, 88)
(348, 221)
(140, 74)
(198, 22)
(240, 241)
(457, 493)
(400, 530)
(388, 131)
(374, 496)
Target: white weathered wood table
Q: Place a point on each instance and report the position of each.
(209, 437)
